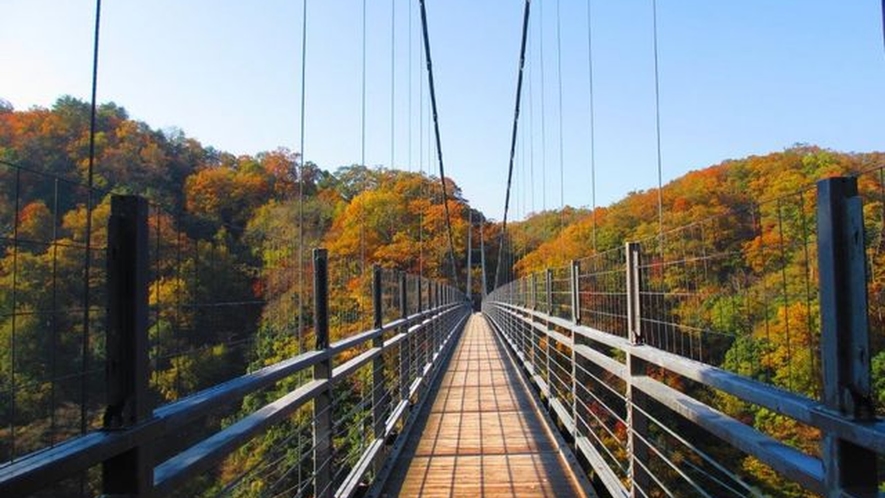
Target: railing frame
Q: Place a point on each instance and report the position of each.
(844, 332)
(637, 403)
(852, 436)
(322, 372)
(127, 364)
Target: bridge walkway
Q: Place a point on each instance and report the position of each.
(482, 436)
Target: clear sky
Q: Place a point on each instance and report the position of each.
(737, 77)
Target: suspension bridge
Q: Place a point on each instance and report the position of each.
(630, 372)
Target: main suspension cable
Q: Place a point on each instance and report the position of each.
(439, 154)
(525, 25)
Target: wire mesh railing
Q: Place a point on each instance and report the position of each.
(602, 291)
(871, 189)
(52, 309)
(738, 290)
(285, 467)
(700, 362)
(209, 301)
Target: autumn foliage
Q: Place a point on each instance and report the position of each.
(230, 267)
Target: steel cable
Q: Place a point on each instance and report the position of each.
(513, 135)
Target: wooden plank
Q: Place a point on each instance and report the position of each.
(482, 434)
(524, 475)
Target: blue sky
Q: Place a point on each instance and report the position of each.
(736, 78)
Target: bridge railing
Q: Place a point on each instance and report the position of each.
(205, 305)
(49, 313)
(318, 422)
(709, 363)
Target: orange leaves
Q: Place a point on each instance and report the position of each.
(35, 222)
(226, 194)
(397, 224)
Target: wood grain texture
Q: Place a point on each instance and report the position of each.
(481, 436)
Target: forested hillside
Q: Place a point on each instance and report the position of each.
(230, 262)
(229, 289)
(729, 277)
(730, 186)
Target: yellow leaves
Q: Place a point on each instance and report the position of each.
(190, 371)
(396, 224)
(176, 381)
(74, 222)
(773, 481)
(226, 194)
(791, 336)
(166, 291)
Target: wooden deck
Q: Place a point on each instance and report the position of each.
(482, 436)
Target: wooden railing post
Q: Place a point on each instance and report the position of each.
(440, 331)
(576, 291)
(576, 317)
(548, 297)
(322, 406)
(548, 290)
(845, 344)
(524, 288)
(428, 330)
(637, 422)
(415, 342)
(419, 289)
(634, 281)
(529, 345)
(440, 301)
(434, 304)
(126, 367)
(523, 331)
(533, 292)
(405, 345)
(378, 391)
